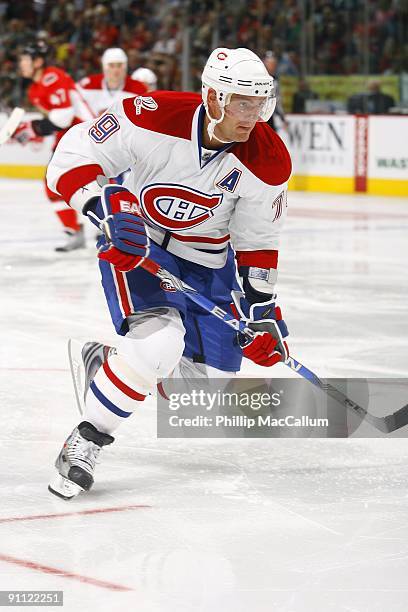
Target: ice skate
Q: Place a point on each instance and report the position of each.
(75, 240)
(85, 360)
(77, 459)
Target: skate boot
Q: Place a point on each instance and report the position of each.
(85, 360)
(76, 240)
(77, 459)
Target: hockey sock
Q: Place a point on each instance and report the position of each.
(68, 217)
(112, 396)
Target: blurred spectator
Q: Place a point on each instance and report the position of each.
(285, 62)
(301, 95)
(166, 43)
(372, 102)
(134, 59)
(105, 33)
(334, 34)
(271, 63)
(9, 93)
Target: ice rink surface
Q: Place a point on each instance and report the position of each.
(208, 525)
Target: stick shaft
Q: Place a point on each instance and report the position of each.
(239, 326)
(385, 424)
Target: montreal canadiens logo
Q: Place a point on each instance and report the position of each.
(166, 285)
(177, 208)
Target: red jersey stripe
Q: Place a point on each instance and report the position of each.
(123, 296)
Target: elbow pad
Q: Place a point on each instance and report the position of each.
(61, 117)
(84, 198)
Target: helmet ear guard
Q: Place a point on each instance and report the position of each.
(222, 100)
(236, 71)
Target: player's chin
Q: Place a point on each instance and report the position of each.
(243, 133)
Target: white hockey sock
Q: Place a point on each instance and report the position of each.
(112, 397)
(150, 350)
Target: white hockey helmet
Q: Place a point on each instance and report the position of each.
(147, 76)
(237, 71)
(114, 55)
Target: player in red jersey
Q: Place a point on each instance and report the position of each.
(53, 92)
(112, 85)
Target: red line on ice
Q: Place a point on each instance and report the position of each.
(46, 569)
(36, 517)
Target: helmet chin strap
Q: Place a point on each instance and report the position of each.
(223, 141)
(213, 124)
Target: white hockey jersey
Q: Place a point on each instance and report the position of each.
(194, 205)
(99, 97)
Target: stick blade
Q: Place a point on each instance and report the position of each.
(8, 129)
(398, 419)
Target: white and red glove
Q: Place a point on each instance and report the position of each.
(125, 242)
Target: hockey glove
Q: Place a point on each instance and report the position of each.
(117, 213)
(25, 133)
(265, 318)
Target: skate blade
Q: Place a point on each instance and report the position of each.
(64, 488)
(68, 248)
(76, 365)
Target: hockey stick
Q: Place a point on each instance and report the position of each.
(385, 424)
(12, 123)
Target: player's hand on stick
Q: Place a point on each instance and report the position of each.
(25, 133)
(117, 213)
(265, 319)
(269, 346)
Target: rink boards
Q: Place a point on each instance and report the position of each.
(349, 153)
(330, 153)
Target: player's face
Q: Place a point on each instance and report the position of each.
(26, 66)
(241, 115)
(115, 73)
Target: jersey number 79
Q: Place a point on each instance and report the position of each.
(104, 127)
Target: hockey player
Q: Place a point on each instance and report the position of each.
(112, 85)
(205, 174)
(147, 77)
(54, 94)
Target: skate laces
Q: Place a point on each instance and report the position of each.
(84, 451)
